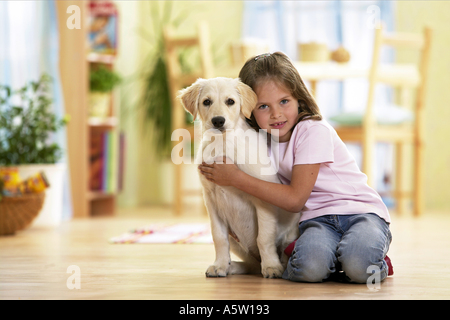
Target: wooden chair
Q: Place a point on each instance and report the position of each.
(371, 128)
(177, 81)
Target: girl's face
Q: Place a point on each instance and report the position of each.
(276, 109)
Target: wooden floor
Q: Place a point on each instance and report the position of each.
(34, 262)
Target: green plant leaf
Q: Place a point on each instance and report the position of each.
(103, 80)
(25, 129)
(155, 100)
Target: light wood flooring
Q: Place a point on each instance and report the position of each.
(34, 262)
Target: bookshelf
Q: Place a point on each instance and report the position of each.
(93, 142)
(103, 151)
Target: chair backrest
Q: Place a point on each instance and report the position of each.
(178, 80)
(399, 75)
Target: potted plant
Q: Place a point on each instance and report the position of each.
(26, 125)
(155, 100)
(101, 83)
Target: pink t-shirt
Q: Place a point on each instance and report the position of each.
(341, 188)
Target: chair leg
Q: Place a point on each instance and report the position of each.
(399, 191)
(368, 146)
(418, 179)
(178, 197)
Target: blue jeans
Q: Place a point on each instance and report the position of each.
(333, 243)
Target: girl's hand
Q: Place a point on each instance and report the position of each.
(223, 174)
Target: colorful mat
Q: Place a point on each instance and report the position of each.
(180, 233)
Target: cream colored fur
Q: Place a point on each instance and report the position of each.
(256, 231)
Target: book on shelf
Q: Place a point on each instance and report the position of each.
(121, 161)
(106, 161)
(95, 160)
(102, 21)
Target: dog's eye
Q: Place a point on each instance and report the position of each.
(207, 103)
(229, 102)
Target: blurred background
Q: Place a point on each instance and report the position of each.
(114, 66)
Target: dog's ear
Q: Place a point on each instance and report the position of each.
(248, 98)
(189, 97)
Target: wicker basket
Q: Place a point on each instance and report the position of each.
(16, 213)
(313, 52)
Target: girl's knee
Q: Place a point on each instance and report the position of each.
(358, 269)
(308, 269)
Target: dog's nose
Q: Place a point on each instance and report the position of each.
(218, 122)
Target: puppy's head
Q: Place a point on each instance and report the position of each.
(218, 102)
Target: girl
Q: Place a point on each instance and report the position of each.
(344, 224)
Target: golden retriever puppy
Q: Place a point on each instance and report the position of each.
(256, 231)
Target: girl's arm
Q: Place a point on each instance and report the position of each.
(288, 197)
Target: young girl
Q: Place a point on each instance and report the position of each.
(344, 224)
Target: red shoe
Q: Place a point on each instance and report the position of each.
(390, 267)
(290, 248)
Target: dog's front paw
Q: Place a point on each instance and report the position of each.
(216, 271)
(273, 272)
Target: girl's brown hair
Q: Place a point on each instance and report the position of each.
(279, 68)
